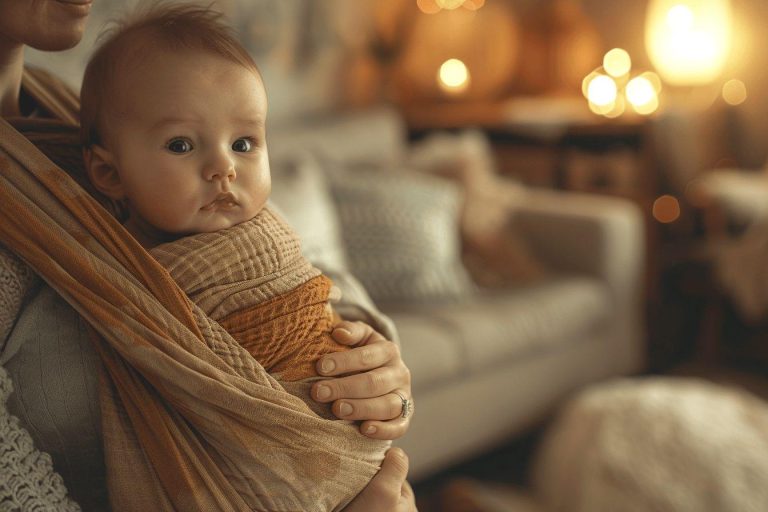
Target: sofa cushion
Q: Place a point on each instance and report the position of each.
(440, 342)
(401, 234)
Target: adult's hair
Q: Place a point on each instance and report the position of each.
(127, 41)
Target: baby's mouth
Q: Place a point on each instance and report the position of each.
(223, 201)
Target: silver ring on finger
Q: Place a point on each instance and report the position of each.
(407, 405)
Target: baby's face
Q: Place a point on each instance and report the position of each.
(188, 141)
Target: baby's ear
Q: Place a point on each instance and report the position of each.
(99, 164)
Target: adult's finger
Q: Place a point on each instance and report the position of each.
(375, 352)
(371, 384)
(352, 333)
(385, 430)
(385, 407)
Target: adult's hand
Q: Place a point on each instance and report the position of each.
(388, 491)
(369, 378)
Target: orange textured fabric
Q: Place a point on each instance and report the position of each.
(288, 333)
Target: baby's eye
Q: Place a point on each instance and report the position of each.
(243, 145)
(179, 146)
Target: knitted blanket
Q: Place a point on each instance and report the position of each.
(191, 420)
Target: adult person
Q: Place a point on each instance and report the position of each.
(52, 25)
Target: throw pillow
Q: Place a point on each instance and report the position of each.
(301, 194)
(401, 234)
(494, 251)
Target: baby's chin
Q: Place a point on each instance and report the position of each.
(220, 222)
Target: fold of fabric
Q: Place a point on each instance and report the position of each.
(191, 420)
(253, 280)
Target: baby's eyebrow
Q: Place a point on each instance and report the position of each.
(251, 122)
(175, 120)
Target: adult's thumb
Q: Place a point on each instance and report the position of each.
(394, 468)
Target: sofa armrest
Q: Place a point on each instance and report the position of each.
(585, 234)
(594, 235)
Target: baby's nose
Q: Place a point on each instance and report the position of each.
(220, 169)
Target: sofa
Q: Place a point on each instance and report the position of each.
(486, 364)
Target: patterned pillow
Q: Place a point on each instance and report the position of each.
(401, 234)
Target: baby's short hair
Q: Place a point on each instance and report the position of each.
(164, 25)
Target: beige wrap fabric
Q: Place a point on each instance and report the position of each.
(191, 421)
(253, 280)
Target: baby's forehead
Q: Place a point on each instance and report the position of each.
(170, 70)
(140, 53)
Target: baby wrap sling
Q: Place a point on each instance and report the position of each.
(191, 421)
(254, 281)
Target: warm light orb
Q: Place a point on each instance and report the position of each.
(428, 6)
(449, 4)
(453, 76)
(602, 91)
(640, 91)
(666, 209)
(617, 62)
(688, 40)
(734, 92)
(680, 18)
(587, 80)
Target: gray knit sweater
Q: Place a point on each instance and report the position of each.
(27, 479)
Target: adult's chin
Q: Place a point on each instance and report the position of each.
(58, 24)
(63, 38)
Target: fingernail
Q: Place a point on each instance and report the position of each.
(323, 392)
(370, 429)
(327, 365)
(345, 409)
(344, 331)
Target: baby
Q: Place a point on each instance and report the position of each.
(173, 126)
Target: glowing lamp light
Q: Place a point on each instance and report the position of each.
(453, 76)
(617, 62)
(449, 4)
(642, 95)
(602, 91)
(688, 41)
(734, 92)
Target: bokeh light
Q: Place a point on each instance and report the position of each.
(640, 91)
(585, 83)
(602, 90)
(428, 6)
(666, 209)
(734, 92)
(680, 18)
(453, 76)
(617, 62)
(449, 4)
(689, 41)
